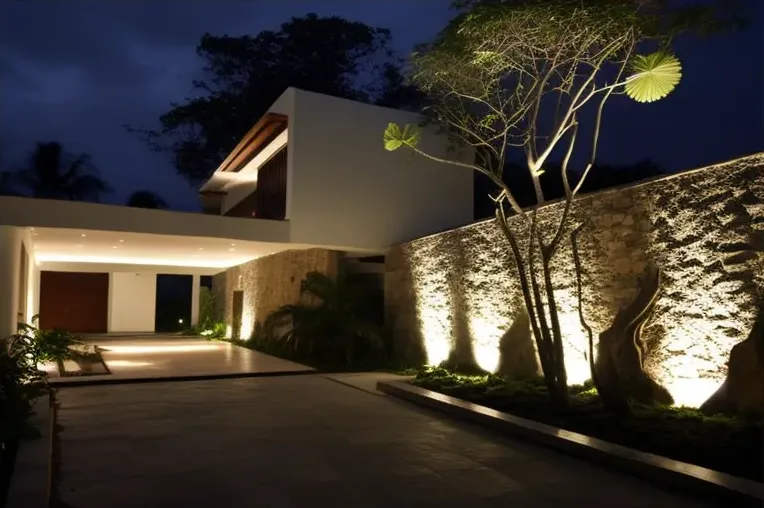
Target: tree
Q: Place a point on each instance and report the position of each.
(521, 74)
(246, 74)
(146, 199)
(515, 176)
(54, 174)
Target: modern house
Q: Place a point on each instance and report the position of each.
(309, 186)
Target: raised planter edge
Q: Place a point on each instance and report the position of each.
(688, 478)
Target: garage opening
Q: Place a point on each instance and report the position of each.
(74, 301)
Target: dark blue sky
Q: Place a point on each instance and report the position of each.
(77, 71)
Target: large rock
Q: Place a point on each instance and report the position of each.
(743, 390)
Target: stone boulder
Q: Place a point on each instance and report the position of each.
(743, 390)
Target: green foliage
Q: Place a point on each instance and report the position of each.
(213, 330)
(395, 137)
(54, 174)
(206, 307)
(335, 323)
(655, 76)
(719, 442)
(20, 384)
(246, 74)
(45, 345)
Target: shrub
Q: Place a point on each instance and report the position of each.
(334, 323)
(44, 345)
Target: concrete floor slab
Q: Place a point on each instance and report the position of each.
(308, 441)
(166, 357)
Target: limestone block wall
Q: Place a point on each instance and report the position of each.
(268, 283)
(457, 292)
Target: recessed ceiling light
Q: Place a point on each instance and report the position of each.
(233, 245)
(83, 235)
(113, 246)
(231, 250)
(121, 241)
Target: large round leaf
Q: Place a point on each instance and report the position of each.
(655, 76)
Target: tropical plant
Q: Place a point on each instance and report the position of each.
(146, 199)
(20, 384)
(44, 346)
(334, 323)
(54, 174)
(508, 74)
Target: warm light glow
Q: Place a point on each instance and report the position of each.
(187, 348)
(201, 263)
(126, 363)
(434, 310)
(47, 367)
(247, 319)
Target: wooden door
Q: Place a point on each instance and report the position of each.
(75, 301)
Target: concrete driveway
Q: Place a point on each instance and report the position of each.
(300, 441)
(176, 357)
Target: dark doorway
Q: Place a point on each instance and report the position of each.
(237, 309)
(173, 311)
(74, 301)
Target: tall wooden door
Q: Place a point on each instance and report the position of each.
(75, 301)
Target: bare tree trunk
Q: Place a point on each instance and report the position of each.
(552, 364)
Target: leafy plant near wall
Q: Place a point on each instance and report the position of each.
(522, 74)
(45, 345)
(20, 384)
(334, 323)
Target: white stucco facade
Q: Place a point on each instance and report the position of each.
(343, 192)
(132, 301)
(346, 189)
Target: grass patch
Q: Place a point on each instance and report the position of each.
(722, 443)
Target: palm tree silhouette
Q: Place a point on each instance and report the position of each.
(146, 199)
(54, 174)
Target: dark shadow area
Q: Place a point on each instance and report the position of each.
(173, 307)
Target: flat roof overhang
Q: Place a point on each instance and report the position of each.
(264, 139)
(77, 232)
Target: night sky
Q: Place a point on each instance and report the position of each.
(76, 72)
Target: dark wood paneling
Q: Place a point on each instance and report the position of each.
(74, 301)
(268, 201)
(270, 197)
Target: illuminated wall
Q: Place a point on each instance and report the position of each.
(704, 228)
(268, 283)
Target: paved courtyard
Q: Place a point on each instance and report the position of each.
(308, 441)
(152, 357)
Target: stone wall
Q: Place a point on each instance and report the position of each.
(268, 283)
(457, 292)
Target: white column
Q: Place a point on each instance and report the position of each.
(10, 252)
(195, 287)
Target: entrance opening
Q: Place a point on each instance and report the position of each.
(237, 309)
(173, 310)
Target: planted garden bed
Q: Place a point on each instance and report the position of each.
(721, 443)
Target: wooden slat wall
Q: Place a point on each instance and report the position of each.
(269, 199)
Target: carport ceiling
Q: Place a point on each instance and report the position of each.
(88, 246)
